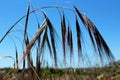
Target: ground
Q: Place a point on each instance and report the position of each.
(111, 72)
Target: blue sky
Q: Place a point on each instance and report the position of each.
(104, 14)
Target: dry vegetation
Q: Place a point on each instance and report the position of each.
(47, 36)
(104, 73)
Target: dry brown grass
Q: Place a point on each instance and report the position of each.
(105, 73)
(46, 36)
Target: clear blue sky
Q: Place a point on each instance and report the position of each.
(104, 13)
